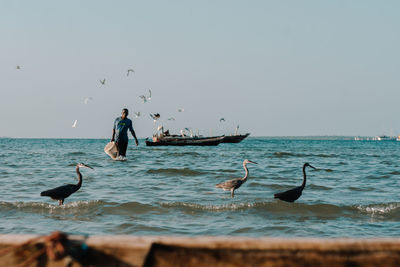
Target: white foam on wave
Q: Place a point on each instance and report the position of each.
(210, 207)
(379, 208)
(55, 206)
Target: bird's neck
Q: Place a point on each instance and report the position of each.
(79, 177)
(304, 177)
(247, 172)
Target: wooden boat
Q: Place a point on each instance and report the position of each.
(237, 138)
(185, 141)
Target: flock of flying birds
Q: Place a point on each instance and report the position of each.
(145, 99)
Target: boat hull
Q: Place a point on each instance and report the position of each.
(234, 138)
(186, 142)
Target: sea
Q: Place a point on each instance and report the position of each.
(354, 192)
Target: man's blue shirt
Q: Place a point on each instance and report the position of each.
(121, 127)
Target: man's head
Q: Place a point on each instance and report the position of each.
(125, 113)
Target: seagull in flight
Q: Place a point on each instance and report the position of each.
(171, 119)
(130, 70)
(181, 110)
(103, 81)
(87, 99)
(155, 116)
(74, 125)
(222, 119)
(137, 114)
(18, 67)
(144, 98)
(149, 97)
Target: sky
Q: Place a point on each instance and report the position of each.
(275, 68)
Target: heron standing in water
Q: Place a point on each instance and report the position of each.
(293, 194)
(62, 192)
(232, 185)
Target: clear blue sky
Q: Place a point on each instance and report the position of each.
(273, 67)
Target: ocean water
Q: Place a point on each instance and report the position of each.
(355, 192)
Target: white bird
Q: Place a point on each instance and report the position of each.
(137, 114)
(144, 98)
(74, 125)
(171, 119)
(181, 110)
(87, 99)
(130, 70)
(103, 81)
(221, 120)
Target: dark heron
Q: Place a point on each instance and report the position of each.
(232, 185)
(293, 194)
(62, 192)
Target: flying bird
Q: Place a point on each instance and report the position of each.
(144, 98)
(62, 192)
(87, 99)
(222, 119)
(181, 110)
(130, 70)
(155, 116)
(18, 67)
(293, 194)
(137, 114)
(232, 185)
(103, 81)
(171, 119)
(74, 125)
(149, 97)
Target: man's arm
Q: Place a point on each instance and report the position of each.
(113, 135)
(133, 134)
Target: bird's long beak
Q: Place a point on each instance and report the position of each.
(312, 167)
(252, 162)
(86, 166)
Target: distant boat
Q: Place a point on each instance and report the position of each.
(385, 138)
(237, 138)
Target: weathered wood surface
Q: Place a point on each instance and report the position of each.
(216, 251)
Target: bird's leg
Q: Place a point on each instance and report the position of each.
(232, 193)
(60, 202)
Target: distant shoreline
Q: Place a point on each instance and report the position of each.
(301, 137)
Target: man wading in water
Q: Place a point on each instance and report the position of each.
(120, 133)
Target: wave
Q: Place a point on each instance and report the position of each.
(387, 209)
(175, 172)
(274, 206)
(78, 153)
(284, 154)
(43, 206)
(182, 154)
(280, 208)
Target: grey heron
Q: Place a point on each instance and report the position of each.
(232, 185)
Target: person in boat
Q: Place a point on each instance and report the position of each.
(120, 133)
